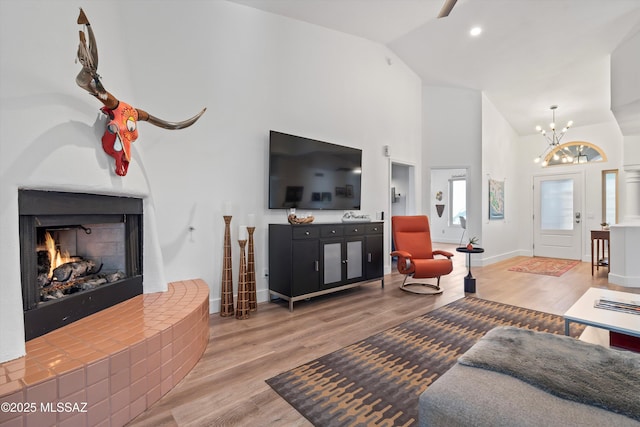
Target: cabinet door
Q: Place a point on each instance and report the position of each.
(374, 262)
(355, 250)
(306, 267)
(332, 262)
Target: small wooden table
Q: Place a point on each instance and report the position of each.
(600, 237)
(469, 280)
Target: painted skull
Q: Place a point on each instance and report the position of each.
(122, 130)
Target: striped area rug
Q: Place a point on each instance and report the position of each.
(377, 381)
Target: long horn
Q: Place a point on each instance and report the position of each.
(144, 116)
(88, 77)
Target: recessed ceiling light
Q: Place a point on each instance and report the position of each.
(475, 31)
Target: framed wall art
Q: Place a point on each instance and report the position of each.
(496, 199)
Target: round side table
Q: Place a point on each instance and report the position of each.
(469, 280)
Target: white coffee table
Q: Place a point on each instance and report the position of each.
(584, 312)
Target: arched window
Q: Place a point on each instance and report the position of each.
(574, 152)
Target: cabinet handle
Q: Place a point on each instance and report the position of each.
(333, 231)
(355, 230)
(307, 233)
(369, 257)
(317, 265)
(375, 229)
(345, 261)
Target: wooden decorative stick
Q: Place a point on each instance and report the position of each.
(242, 310)
(226, 291)
(251, 272)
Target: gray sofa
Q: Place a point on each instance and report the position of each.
(486, 387)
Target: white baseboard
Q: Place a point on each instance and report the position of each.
(484, 261)
(626, 281)
(262, 295)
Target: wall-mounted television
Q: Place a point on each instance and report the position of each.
(314, 175)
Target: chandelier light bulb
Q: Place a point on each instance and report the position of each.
(552, 126)
(536, 160)
(569, 124)
(556, 157)
(538, 128)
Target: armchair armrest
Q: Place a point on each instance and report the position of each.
(443, 253)
(401, 254)
(404, 261)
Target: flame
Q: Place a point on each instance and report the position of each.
(55, 256)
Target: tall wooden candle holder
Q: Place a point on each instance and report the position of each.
(251, 272)
(242, 310)
(226, 291)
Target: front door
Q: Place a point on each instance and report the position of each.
(558, 216)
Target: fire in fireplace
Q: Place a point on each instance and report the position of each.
(79, 254)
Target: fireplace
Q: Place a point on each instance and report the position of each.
(79, 254)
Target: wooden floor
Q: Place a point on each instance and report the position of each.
(227, 386)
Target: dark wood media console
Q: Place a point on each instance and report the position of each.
(309, 260)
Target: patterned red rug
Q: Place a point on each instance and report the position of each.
(547, 266)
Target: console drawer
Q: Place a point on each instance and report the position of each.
(331, 231)
(304, 232)
(374, 228)
(355, 229)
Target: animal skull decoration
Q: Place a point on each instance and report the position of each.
(122, 129)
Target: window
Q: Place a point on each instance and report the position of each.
(610, 196)
(458, 198)
(574, 153)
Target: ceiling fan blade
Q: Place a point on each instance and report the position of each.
(446, 8)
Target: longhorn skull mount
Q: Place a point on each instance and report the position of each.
(122, 128)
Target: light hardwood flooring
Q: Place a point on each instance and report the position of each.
(227, 386)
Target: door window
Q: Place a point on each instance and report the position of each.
(556, 203)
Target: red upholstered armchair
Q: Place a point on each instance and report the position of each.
(412, 240)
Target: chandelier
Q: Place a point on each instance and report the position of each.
(553, 138)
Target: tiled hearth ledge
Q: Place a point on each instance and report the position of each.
(113, 364)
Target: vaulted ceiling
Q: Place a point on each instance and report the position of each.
(531, 53)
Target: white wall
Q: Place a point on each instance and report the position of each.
(254, 72)
(625, 91)
(500, 162)
(452, 138)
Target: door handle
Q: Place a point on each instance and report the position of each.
(578, 216)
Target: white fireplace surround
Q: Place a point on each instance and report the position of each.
(154, 276)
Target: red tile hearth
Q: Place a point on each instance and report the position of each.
(109, 367)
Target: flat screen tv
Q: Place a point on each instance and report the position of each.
(314, 175)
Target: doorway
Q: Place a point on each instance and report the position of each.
(401, 191)
(557, 207)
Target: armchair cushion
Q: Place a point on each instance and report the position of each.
(428, 268)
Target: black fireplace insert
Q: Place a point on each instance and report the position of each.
(79, 254)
